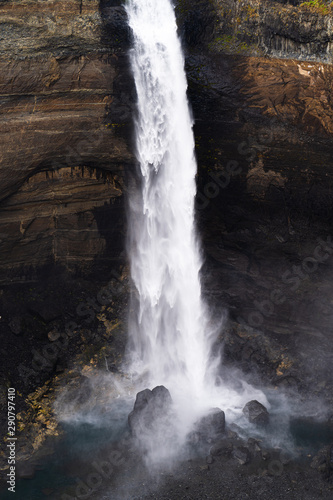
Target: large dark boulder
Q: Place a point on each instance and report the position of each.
(241, 455)
(256, 413)
(150, 410)
(212, 425)
(323, 463)
(223, 447)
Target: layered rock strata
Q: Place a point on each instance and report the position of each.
(64, 127)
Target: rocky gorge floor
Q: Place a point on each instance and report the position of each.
(223, 463)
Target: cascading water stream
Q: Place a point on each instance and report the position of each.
(170, 334)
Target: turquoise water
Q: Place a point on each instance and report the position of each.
(72, 457)
(310, 434)
(85, 439)
(49, 479)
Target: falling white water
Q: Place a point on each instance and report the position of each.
(171, 335)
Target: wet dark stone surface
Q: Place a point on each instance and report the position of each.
(151, 408)
(211, 425)
(256, 413)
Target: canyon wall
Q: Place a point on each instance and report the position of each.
(67, 101)
(260, 85)
(65, 114)
(263, 129)
(284, 29)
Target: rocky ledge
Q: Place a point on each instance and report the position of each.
(283, 29)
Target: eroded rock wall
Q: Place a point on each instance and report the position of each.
(65, 98)
(292, 30)
(67, 94)
(263, 129)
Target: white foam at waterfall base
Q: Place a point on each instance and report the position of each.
(170, 332)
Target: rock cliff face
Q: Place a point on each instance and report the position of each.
(67, 100)
(298, 30)
(65, 115)
(263, 130)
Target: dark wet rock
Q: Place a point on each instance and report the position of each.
(60, 368)
(16, 325)
(142, 400)
(232, 434)
(47, 310)
(319, 461)
(233, 431)
(193, 438)
(162, 398)
(117, 32)
(222, 448)
(242, 455)
(256, 413)
(254, 446)
(53, 335)
(150, 409)
(285, 458)
(323, 462)
(212, 425)
(204, 467)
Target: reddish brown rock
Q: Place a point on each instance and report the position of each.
(63, 122)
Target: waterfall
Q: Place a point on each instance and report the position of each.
(170, 332)
(169, 335)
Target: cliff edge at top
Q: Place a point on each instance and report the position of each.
(293, 30)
